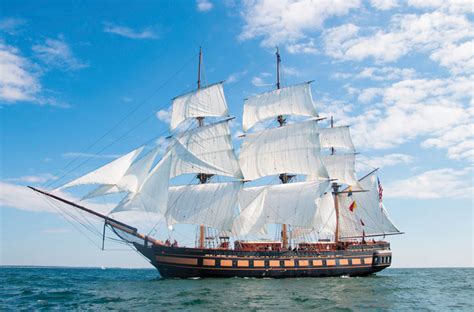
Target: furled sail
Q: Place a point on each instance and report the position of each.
(152, 195)
(109, 174)
(131, 181)
(337, 137)
(294, 204)
(367, 215)
(292, 100)
(206, 149)
(214, 205)
(205, 102)
(293, 149)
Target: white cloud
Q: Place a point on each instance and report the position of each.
(204, 5)
(39, 178)
(285, 22)
(384, 5)
(407, 33)
(421, 108)
(383, 161)
(367, 95)
(453, 6)
(259, 82)
(11, 25)
(459, 140)
(386, 73)
(21, 197)
(57, 53)
(440, 183)
(164, 115)
(308, 47)
(234, 77)
(18, 81)
(459, 59)
(290, 71)
(79, 154)
(128, 32)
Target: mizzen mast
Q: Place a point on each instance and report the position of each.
(335, 191)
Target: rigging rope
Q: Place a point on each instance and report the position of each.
(166, 82)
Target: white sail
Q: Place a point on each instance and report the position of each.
(206, 149)
(368, 216)
(250, 220)
(341, 168)
(214, 205)
(102, 190)
(325, 220)
(109, 174)
(292, 100)
(293, 149)
(153, 193)
(131, 181)
(294, 203)
(206, 102)
(337, 137)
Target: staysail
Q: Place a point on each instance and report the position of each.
(109, 174)
(367, 215)
(153, 193)
(132, 179)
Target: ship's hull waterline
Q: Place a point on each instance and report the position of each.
(181, 262)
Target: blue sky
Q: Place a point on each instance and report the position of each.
(399, 72)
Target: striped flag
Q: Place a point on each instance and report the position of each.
(380, 189)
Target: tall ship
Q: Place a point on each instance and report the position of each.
(290, 176)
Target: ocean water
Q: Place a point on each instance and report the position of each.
(142, 289)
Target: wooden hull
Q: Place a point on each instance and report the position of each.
(179, 262)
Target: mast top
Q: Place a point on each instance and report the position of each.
(199, 69)
(278, 67)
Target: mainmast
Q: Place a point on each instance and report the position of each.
(284, 178)
(203, 177)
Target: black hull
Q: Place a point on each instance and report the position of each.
(179, 262)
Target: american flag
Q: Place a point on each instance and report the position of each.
(380, 189)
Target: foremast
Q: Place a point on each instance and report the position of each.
(284, 178)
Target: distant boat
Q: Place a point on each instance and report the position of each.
(324, 213)
(102, 267)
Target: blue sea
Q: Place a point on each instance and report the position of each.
(67, 289)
